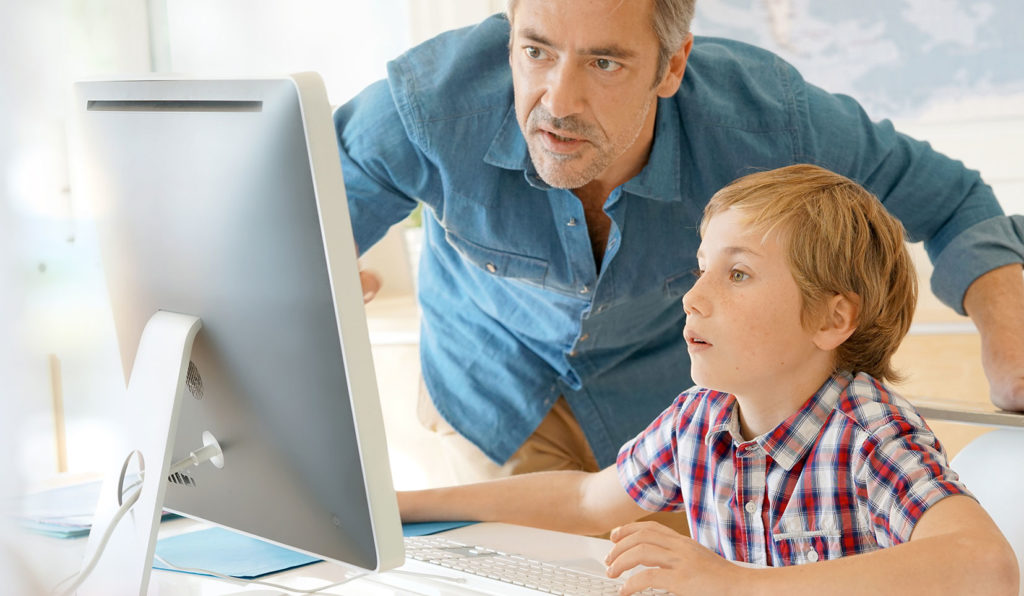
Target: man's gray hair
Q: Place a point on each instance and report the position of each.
(671, 23)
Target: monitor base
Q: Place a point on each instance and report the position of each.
(153, 403)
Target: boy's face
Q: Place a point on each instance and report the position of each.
(743, 327)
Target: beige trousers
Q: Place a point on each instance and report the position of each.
(557, 444)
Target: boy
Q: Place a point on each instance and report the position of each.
(789, 450)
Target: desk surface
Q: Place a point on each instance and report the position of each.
(968, 413)
(52, 559)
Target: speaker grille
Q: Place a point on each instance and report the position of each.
(193, 381)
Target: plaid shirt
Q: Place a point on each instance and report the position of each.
(852, 471)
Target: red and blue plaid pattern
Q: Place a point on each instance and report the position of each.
(852, 471)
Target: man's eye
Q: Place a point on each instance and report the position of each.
(697, 272)
(607, 65)
(737, 275)
(533, 52)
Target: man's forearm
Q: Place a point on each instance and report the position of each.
(995, 302)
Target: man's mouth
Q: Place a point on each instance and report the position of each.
(561, 138)
(558, 142)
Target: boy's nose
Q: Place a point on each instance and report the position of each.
(694, 302)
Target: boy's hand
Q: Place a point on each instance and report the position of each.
(676, 563)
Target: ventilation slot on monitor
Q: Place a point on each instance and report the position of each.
(182, 479)
(193, 381)
(177, 105)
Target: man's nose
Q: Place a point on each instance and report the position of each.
(564, 94)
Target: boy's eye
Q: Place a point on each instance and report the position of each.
(607, 65)
(697, 272)
(736, 275)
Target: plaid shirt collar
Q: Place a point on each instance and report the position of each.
(788, 442)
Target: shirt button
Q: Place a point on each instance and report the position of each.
(492, 268)
(571, 223)
(751, 507)
(812, 556)
(585, 290)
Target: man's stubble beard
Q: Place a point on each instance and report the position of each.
(556, 169)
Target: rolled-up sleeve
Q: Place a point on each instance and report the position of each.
(981, 248)
(903, 472)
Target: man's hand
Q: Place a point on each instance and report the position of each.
(369, 280)
(371, 284)
(676, 563)
(995, 302)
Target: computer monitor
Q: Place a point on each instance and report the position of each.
(231, 267)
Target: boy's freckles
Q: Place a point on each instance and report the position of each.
(743, 330)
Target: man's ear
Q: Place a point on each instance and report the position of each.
(840, 316)
(673, 76)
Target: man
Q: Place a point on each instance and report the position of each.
(558, 154)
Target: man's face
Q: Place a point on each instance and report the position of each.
(585, 89)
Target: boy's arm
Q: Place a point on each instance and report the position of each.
(568, 501)
(955, 549)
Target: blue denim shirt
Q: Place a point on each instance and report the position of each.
(514, 311)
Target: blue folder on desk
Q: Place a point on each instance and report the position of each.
(67, 512)
(64, 512)
(230, 553)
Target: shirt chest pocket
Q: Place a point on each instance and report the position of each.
(799, 541)
(499, 263)
(680, 283)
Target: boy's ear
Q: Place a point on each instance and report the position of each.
(841, 314)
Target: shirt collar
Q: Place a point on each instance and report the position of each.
(788, 442)
(658, 180)
(724, 422)
(508, 149)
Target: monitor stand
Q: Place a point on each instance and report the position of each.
(154, 398)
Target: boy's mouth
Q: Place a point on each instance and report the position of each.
(693, 340)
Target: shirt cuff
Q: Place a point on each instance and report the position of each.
(985, 246)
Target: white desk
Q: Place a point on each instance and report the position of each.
(53, 559)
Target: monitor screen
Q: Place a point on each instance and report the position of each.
(223, 200)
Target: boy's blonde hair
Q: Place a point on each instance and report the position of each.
(839, 240)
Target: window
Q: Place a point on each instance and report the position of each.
(58, 342)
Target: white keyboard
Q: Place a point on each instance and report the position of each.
(510, 568)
